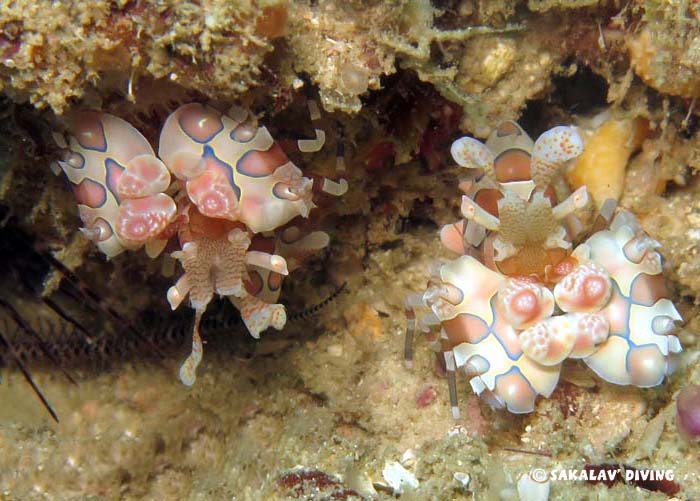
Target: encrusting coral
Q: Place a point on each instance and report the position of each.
(52, 53)
(665, 52)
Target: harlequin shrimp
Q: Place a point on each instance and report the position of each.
(534, 286)
(220, 188)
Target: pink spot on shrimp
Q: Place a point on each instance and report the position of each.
(274, 281)
(143, 218)
(261, 163)
(515, 391)
(199, 123)
(89, 132)
(254, 283)
(90, 193)
(465, 328)
(648, 289)
(512, 165)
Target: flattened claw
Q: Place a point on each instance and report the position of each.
(213, 195)
(144, 175)
(552, 149)
(141, 219)
(472, 154)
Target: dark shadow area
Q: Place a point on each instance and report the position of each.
(582, 93)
